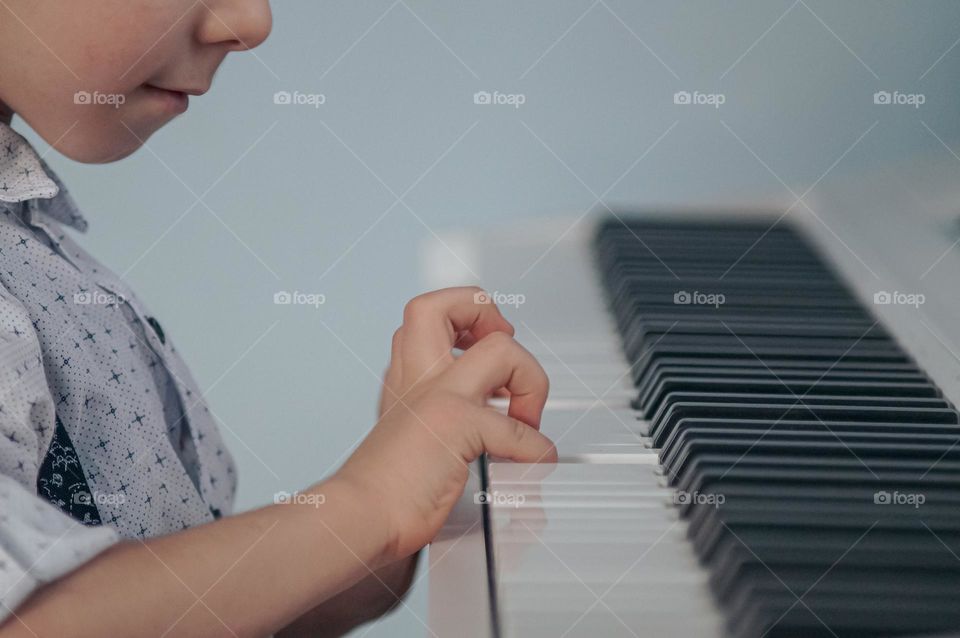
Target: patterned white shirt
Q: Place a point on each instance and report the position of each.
(103, 432)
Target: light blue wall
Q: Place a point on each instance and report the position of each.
(296, 388)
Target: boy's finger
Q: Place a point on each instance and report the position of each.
(465, 340)
(395, 345)
(508, 438)
(495, 362)
(432, 322)
(392, 381)
(396, 356)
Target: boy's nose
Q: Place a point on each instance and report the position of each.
(245, 24)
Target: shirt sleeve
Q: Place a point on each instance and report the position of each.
(38, 542)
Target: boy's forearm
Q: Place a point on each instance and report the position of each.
(372, 597)
(246, 575)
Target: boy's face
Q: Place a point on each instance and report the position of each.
(95, 78)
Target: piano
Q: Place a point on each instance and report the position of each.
(755, 410)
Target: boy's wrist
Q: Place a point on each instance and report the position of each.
(347, 499)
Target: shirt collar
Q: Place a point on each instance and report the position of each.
(25, 177)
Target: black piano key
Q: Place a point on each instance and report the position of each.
(791, 387)
(644, 357)
(779, 367)
(709, 469)
(692, 440)
(805, 410)
(939, 494)
(781, 409)
(858, 615)
(865, 453)
(763, 428)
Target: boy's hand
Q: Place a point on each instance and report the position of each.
(429, 335)
(415, 462)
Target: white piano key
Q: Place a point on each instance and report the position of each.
(564, 535)
(625, 597)
(458, 586)
(596, 385)
(578, 401)
(603, 513)
(560, 474)
(600, 621)
(594, 433)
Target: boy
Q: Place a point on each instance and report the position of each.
(95, 400)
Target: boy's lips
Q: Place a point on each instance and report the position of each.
(178, 99)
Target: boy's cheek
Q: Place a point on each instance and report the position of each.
(94, 42)
(81, 65)
(89, 103)
(93, 125)
(120, 63)
(110, 46)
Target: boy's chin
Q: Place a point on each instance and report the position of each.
(98, 154)
(103, 143)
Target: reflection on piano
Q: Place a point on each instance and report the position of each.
(747, 447)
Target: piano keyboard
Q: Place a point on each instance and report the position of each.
(745, 451)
